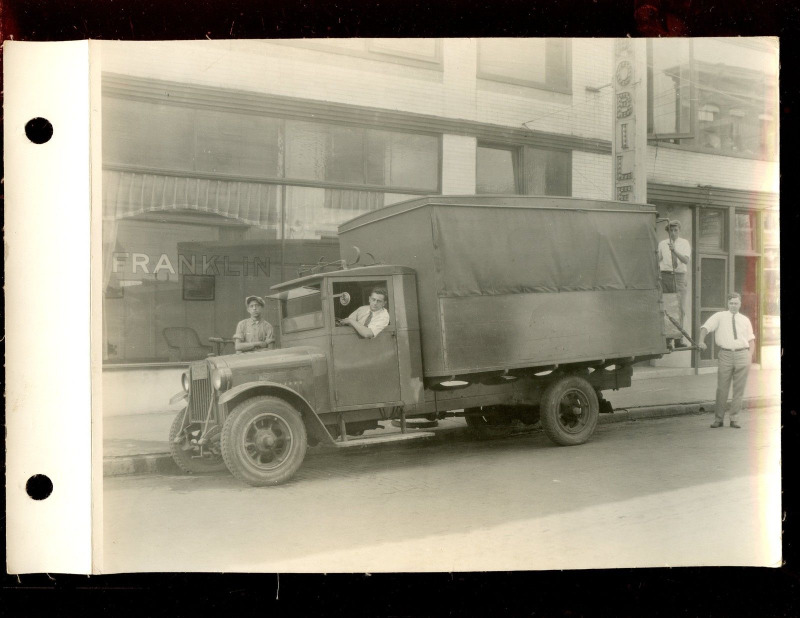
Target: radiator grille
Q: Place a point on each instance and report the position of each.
(200, 393)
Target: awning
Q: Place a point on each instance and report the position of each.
(126, 194)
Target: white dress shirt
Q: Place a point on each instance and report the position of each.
(379, 321)
(682, 246)
(721, 325)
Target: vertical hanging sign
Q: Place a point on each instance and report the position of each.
(629, 149)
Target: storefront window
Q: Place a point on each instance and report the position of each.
(746, 231)
(203, 207)
(772, 279)
(186, 273)
(402, 160)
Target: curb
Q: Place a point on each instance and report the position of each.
(162, 463)
(621, 415)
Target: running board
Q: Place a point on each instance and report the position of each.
(392, 437)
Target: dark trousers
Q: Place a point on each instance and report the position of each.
(675, 283)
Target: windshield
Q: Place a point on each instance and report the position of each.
(301, 301)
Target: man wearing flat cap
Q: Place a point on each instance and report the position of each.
(674, 255)
(254, 333)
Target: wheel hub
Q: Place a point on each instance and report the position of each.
(265, 439)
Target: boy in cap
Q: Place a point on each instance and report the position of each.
(674, 255)
(254, 332)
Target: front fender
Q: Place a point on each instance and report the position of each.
(228, 400)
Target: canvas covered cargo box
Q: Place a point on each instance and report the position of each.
(507, 282)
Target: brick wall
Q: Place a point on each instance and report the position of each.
(690, 169)
(451, 91)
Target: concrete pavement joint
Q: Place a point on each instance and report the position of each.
(162, 463)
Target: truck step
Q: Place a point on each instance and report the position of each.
(392, 437)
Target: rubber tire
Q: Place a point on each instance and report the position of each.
(184, 460)
(550, 411)
(237, 424)
(483, 429)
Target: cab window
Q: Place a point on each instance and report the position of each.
(301, 309)
(357, 294)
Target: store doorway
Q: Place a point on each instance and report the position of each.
(745, 281)
(713, 290)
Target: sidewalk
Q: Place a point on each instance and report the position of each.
(134, 444)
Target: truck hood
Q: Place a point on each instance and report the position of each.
(264, 360)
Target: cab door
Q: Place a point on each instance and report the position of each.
(365, 371)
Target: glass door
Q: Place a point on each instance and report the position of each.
(745, 273)
(713, 290)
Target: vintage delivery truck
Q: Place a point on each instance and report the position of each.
(504, 310)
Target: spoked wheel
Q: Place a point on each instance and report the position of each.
(191, 460)
(569, 411)
(486, 423)
(264, 441)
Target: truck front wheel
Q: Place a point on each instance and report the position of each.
(190, 460)
(264, 441)
(569, 411)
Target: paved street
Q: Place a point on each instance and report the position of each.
(648, 493)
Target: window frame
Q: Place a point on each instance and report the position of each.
(363, 283)
(520, 158)
(689, 141)
(517, 154)
(539, 85)
(691, 133)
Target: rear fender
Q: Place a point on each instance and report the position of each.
(232, 398)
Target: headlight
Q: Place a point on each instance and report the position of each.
(220, 379)
(185, 381)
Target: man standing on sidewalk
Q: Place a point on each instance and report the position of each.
(733, 334)
(674, 254)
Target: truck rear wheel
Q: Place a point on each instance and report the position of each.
(264, 441)
(569, 410)
(188, 460)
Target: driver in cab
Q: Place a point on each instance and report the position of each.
(369, 320)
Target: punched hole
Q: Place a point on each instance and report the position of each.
(39, 486)
(39, 130)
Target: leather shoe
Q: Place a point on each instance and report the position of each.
(716, 424)
(735, 425)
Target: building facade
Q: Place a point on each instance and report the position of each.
(228, 165)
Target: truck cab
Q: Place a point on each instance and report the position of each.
(254, 412)
(381, 372)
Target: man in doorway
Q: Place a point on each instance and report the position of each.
(253, 333)
(733, 334)
(369, 320)
(674, 255)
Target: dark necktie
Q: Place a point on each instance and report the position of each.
(369, 319)
(674, 261)
(733, 321)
